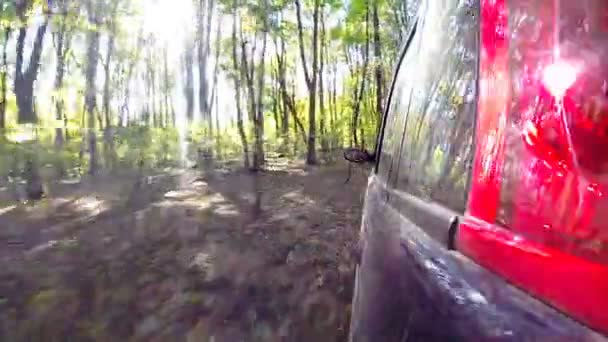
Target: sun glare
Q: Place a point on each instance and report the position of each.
(165, 19)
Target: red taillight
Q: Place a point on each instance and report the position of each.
(538, 211)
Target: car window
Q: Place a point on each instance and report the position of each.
(397, 109)
(436, 151)
(397, 113)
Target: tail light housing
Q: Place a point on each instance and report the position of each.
(538, 210)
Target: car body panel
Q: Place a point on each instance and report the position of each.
(410, 287)
(413, 283)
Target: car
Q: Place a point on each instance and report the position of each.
(486, 214)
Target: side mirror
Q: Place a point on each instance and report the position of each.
(358, 156)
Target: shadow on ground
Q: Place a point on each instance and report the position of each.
(176, 256)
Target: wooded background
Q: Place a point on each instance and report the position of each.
(100, 84)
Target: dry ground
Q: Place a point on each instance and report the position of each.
(174, 256)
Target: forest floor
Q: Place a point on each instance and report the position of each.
(176, 256)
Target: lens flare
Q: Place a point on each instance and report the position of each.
(559, 77)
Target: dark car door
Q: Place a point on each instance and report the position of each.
(421, 181)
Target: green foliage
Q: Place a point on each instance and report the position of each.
(137, 58)
(149, 147)
(8, 13)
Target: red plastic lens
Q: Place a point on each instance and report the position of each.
(538, 209)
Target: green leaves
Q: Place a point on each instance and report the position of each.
(136, 60)
(8, 13)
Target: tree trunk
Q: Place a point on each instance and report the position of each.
(218, 147)
(155, 119)
(204, 39)
(356, 110)
(167, 89)
(282, 91)
(91, 76)
(276, 107)
(173, 114)
(258, 157)
(108, 78)
(248, 70)
(61, 50)
(333, 105)
(108, 134)
(125, 113)
(322, 128)
(248, 74)
(215, 90)
(288, 100)
(189, 82)
(63, 46)
(292, 107)
(379, 67)
(201, 60)
(160, 97)
(7, 35)
(311, 78)
(24, 92)
(237, 86)
(145, 113)
(24, 80)
(361, 91)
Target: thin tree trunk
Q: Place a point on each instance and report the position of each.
(145, 111)
(249, 74)
(356, 110)
(216, 100)
(108, 79)
(291, 109)
(24, 93)
(155, 119)
(258, 157)
(108, 134)
(160, 97)
(311, 78)
(173, 114)
(202, 63)
(282, 91)
(24, 81)
(322, 127)
(7, 35)
(125, 114)
(276, 107)
(379, 66)
(189, 82)
(108, 63)
(204, 39)
(61, 50)
(167, 89)
(361, 91)
(237, 86)
(214, 92)
(290, 102)
(334, 97)
(63, 46)
(91, 76)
